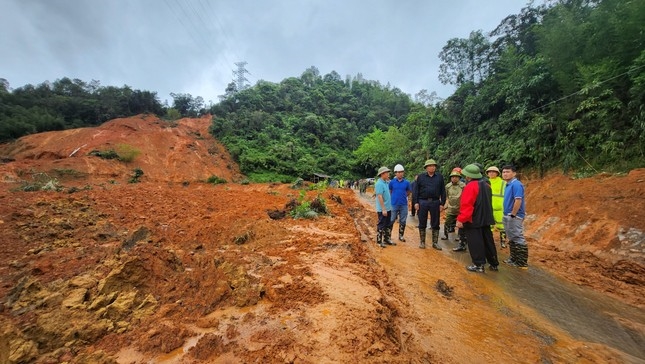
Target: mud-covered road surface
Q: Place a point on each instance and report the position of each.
(176, 270)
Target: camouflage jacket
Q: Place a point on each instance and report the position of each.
(453, 197)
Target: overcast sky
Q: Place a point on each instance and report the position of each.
(191, 46)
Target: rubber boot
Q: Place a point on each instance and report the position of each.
(445, 232)
(522, 256)
(512, 248)
(502, 239)
(435, 239)
(387, 236)
(422, 238)
(401, 231)
(462, 247)
(379, 239)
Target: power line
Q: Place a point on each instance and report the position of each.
(199, 30)
(193, 23)
(181, 21)
(228, 41)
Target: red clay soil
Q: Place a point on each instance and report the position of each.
(176, 270)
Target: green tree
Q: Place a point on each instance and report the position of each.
(465, 60)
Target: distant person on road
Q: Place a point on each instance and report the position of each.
(400, 189)
(476, 217)
(362, 186)
(429, 198)
(514, 213)
(498, 185)
(454, 189)
(383, 207)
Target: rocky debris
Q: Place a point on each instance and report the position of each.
(442, 287)
(277, 214)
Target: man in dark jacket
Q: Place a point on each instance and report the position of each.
(429, 196)
(476, 217)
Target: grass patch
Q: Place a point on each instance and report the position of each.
(67, 172)
(127, 153)
(123, 152)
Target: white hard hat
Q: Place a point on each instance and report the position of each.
(398, 168)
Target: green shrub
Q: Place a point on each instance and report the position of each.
(173, 114)
(267, 177)
(303, 209)
(124, 152)
(215, 180)
(105, 154)
(136, 174)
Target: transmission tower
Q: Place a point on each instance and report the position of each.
(240, 80)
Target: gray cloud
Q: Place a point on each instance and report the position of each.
(190, 46)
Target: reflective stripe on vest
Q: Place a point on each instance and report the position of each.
(502, 186)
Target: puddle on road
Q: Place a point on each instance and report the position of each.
(585, 314)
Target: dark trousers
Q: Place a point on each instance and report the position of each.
(384, 222)
(481, 245)
(426, 207)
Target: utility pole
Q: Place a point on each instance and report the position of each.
(240, 80)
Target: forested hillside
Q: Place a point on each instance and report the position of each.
(65, 104)
(306, 125)
(559, 85)
(556, 86)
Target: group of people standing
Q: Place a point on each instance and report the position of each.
(473, 204)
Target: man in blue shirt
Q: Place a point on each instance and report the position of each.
(383, 206)
(399, 189)
(513, 219)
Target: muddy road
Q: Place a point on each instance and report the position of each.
(543, 305)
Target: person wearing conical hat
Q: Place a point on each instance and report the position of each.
(429, 197)
(383, 206)
(476, 217)
(454, 189)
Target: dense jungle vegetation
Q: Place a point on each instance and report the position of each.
(559, 85)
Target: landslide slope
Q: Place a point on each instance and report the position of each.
(178, 151)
